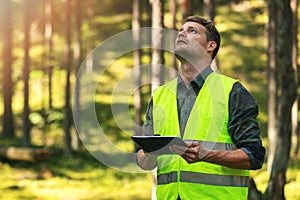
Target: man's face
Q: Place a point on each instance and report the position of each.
(191, 41)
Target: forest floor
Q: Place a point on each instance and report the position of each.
(82, 177)
(79, 177)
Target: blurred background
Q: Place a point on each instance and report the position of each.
(44, 42)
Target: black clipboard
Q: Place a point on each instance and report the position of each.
(158, 144)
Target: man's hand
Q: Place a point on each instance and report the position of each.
(193, 153)
(146, 161)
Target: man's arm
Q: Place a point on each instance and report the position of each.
(235, 159)
(196, 153)
(146, 161)
(243, 125)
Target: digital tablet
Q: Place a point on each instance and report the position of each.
(158, 144)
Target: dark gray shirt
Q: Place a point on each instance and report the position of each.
(243, 110)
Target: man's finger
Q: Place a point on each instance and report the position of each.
(177, 149)
(192, 144)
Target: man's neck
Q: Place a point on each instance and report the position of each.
(189, 72)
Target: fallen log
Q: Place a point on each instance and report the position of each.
(24, 154)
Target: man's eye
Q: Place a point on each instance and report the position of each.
(193, 31)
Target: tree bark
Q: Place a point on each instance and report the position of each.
(173, 9)
(24, 154)
(78, 59)
(272, 85)
(253, 193)
(136, 24)
(186, 8)
(26, 110)
(210, 13)
(8, 120)
(209, 9)
(67, 109)
(49, 41)
(157, 37)
(287, 93)
(295, 128)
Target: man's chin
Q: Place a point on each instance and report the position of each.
(179, 56)
(182, 54)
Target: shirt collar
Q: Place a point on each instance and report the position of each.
(200, 79)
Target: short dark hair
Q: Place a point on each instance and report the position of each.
(212, 33)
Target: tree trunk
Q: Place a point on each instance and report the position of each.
(288, 90)
(253, 193)
(157, 37)
(27, 24)
(136, 24)
(209, 9)
(67, 109)
(78, 58)
(295, 128)
(8, 121)
(272, 85)
(49, 40)
(186, 8)
(173, 8)
(210, 13)
(24, 154)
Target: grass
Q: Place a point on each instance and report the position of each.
(82, 177)
(76, 178)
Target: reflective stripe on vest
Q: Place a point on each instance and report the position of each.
(202, 178)
(208, 124)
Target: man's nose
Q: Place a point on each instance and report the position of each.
(181, 33)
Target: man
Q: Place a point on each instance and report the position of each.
(213, 113)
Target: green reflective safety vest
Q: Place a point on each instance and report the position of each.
(207, 124)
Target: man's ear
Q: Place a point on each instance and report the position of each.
(211, 46)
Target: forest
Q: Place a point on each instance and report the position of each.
(77, 77)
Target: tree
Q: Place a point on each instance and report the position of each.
(209, 9)
(210, 13)
(295, 128)
(26, 71)
(173, 9)
(186, 8)
(283, 91)
(8, 121)
(49, 45)
(157, 37)
(287, 93)
(67, 108)
(77, 58)
(136, 24)
(272, 85)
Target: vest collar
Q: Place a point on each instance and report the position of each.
(200, 79)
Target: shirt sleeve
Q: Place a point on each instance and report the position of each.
(148, 124)
(243, 125)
